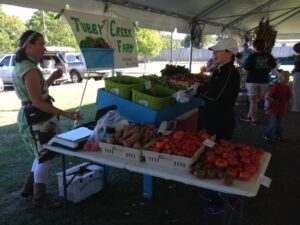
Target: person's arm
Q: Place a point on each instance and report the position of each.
(249, 63)
(34, 91)
(273, 63)
(54, 76)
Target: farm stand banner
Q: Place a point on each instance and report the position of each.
(102, 32)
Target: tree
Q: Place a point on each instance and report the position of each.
(166, 40)
(186, 42)
(149, 43)
(207, 40)
(11, 28)
(56, 33)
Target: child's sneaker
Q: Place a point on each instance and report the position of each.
(246, 118)
(266, 138)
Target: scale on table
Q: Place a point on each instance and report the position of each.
(73, 140)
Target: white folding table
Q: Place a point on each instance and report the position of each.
(238, 190)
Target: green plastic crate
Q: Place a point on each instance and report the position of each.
(146, 98)
(122, 85)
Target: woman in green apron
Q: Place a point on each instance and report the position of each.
(38, 119)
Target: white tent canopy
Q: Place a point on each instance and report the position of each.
(229, 16)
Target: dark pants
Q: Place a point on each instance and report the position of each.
(274, 124)
(222, 124)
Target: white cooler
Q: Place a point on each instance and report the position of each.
(83, 185)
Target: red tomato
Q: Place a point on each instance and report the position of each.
(231, 172)
(211, 158)
(260, 151)
(218, 151)
(245, 160)
(233, 162)
(221, 163)
(244, 153)
(244, 175)
(251, 168)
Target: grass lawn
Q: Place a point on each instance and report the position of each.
(122, 201)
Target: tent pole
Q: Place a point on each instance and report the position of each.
(191, 56)
(171, 59)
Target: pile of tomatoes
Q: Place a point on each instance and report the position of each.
(181, 143)
(229, 161)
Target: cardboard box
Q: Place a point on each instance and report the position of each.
(88, 180)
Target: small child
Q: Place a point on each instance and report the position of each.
(278, 98)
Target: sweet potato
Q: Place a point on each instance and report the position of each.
(134, 138)
(128, 133)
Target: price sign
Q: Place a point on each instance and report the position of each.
(265, 181)
(209, 143)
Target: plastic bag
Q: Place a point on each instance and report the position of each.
(111, 119)
(184, 96)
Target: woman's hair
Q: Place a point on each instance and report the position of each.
(232, 56)
(28, 36)
(259, 45)
(296, 48)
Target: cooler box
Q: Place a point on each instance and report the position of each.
(88, 180)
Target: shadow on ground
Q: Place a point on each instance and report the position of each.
(173, 203)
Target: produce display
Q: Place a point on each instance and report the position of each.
(90, 42)
(180, 81)
(187, 80)
(181, 143)
(228, 161)
(135, 136)
(171, 70)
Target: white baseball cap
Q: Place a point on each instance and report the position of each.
(226, 44)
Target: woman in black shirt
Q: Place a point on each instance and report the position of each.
(258, 65)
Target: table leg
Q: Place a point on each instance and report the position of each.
(241, 219)
(63, 160)
(228, 210)
(106, 174)
(147, 186)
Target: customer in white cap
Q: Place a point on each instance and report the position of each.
(222, 91)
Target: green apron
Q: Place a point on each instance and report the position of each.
(30, 134)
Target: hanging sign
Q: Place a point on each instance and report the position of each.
(102, 39)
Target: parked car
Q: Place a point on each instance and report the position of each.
(48, 64)
(76, 68)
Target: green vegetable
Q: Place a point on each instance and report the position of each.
(170, 70)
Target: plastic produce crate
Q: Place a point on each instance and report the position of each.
(125, 153)
(122, 85)
(84, 184)
(145, 97)
(171, 161)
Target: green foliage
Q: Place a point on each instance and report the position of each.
(207, 40)
(166, 40)
(11, 28)
(56, 33)
(149, 42)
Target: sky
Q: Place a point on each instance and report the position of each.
(24, 13)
